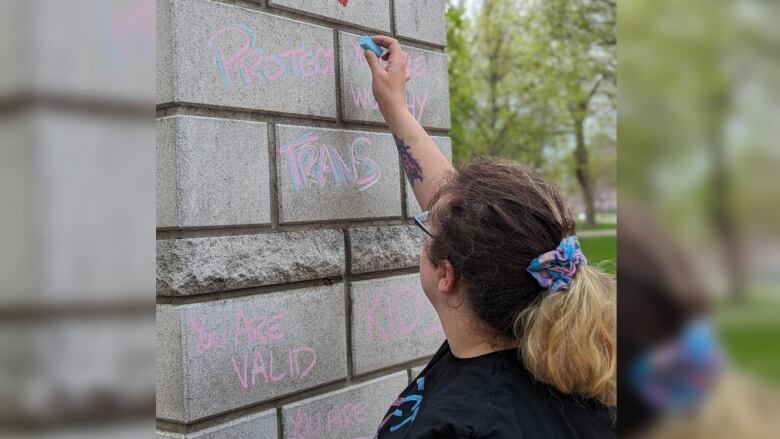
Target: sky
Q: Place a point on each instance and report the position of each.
(471, 5)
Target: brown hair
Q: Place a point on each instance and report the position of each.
(492, 217)
(660, 292)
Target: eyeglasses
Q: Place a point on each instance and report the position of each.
(421, 219)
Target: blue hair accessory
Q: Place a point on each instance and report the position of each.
(675, 376)
(554, 270)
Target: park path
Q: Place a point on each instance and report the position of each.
(597, 233)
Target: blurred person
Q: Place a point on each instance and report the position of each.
(673, 375)
(530, 327)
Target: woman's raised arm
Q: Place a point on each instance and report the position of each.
(423, 163)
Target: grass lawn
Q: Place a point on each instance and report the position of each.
(750, 332)
(601, 251)
(752, 348)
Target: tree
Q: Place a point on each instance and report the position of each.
(488, 113)
(676, 66)
(571, 48)
(461, 79)
(530, 80)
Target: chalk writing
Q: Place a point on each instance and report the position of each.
(363, 98)
(260, 328)
(236, 48)
(385, 318)
(415, 68)
(263, 364)
(253, 329)
(336, 419)
(311, 161)
(252, 346)
(205, 339)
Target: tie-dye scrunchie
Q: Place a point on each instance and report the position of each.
(554, 269)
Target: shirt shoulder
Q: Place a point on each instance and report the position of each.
(458, 398)
(497, 397)
(488, 397)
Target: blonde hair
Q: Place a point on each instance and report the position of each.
(737, 407)
(567, 338)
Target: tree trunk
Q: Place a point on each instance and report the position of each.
(721, 207)
(582, 170)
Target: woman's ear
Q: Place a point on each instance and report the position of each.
(447, 281)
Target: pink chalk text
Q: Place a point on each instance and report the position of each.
(236, 52)
(312, 162)
(415, 68)
(336, 421)
(299, 362)
(387, 318)
(363, 98)
(253, 348)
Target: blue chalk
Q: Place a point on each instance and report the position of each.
(367, 43)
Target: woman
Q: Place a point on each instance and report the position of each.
(530, 327)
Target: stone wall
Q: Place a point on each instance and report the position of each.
(288, 299)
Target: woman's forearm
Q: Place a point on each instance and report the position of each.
(424, 164)
(422, 161)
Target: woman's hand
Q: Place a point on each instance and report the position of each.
(389, 83)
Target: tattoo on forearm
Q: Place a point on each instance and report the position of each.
(412, 167)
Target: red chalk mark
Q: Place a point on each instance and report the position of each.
(343, 2)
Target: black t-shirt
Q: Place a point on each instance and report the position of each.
(492, 396)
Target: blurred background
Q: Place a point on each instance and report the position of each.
(77, 218)
(698, 156)
(694, 98)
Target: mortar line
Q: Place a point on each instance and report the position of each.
(219, 110)
(337, 76)
(348, 301)
(233, 113)
(239, 230)
(167, 426)
(279, 423)
(195, 426)
(273, 183)
(385, 273)
(261, 290)
(392, 18)
(404, 196)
